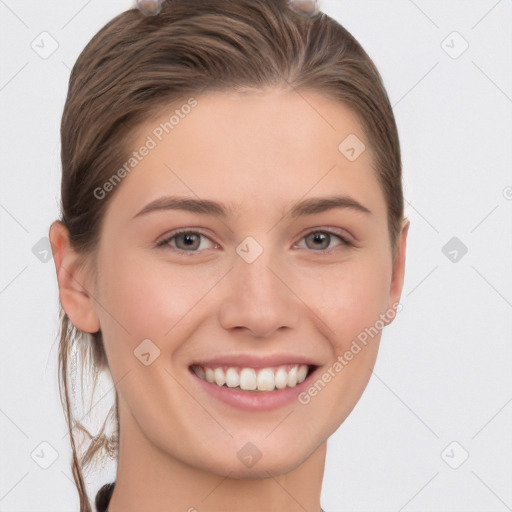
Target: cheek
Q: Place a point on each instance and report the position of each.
(348, 297)
(351, 305)
(350, 302)
(143, 300)
(156, 300)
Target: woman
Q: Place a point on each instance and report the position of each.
(231, 245)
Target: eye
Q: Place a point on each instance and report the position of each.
(190, 241)
(319, 240)
(184, 240)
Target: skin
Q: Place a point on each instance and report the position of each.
(258, 152)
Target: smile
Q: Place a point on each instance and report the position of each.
(254, 379)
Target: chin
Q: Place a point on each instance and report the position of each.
(246, 460)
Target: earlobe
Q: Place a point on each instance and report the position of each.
(74, 293)
(397, 280)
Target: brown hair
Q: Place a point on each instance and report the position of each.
(136, 65)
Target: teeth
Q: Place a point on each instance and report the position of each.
(220, 377)
(232, 378)
(250, 379)
(281, 378)
(302, 373)
(292, 377)
(266, 380)
(200, 372)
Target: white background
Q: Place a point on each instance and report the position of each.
(443, 372)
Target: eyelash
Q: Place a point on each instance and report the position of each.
(344, 241)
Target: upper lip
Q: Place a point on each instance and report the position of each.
(253, 361)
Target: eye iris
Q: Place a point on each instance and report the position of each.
(189, 240)
(320, 237)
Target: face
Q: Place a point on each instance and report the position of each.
(255, 282)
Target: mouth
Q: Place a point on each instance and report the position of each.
(245, 378)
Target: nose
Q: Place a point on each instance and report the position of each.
(258, 298)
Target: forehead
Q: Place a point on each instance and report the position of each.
(263, 148)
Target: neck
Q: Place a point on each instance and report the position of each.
(150, 479)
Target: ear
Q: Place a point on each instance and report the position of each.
(74, 293)
(397, 279)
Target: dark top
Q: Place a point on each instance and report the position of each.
(105, 493)
(103, 497)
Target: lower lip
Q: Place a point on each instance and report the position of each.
(255, 400)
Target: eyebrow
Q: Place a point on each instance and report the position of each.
(208, 207)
